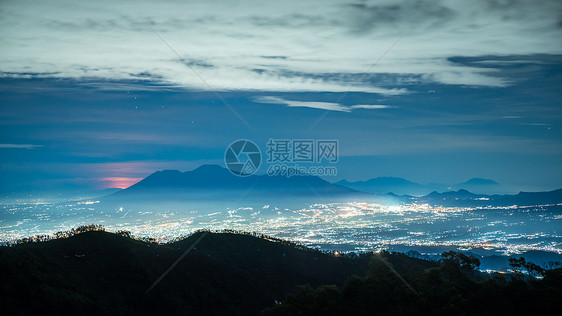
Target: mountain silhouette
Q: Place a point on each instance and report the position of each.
(457, 195)
(216, 182)
(466, 198)
(401, 186)
(479, 181)
(383, 185)
(481, 185)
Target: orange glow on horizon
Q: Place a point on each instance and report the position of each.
(119, 182)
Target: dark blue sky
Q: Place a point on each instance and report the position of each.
(91, 100)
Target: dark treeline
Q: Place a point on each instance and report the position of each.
(127, 234)
(60, 235)
(454, 287)
(90, 271)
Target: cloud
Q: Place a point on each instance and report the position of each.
(328, 106)
(299, 46)
(371, 106)
(20, 146)
(307, 104)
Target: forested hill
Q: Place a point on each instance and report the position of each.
(225, 273)
(95, 272)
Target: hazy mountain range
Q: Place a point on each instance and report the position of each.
(211, 186)
(213, 178)
(401, 186)
(465, 198)
(216, 178)
(215, 183)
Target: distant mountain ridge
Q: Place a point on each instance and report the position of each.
(383, 185)
(217, 184)
(479, 181)
(401, 186)
(466, 198)
(480, 185)
(213, 179)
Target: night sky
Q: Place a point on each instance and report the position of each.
(99, 94)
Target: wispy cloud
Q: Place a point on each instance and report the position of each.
(537, 124)
(372, 106)
(329, 106)
(21, 146)
(301, 46)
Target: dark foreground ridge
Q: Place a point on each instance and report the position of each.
(93, 272)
